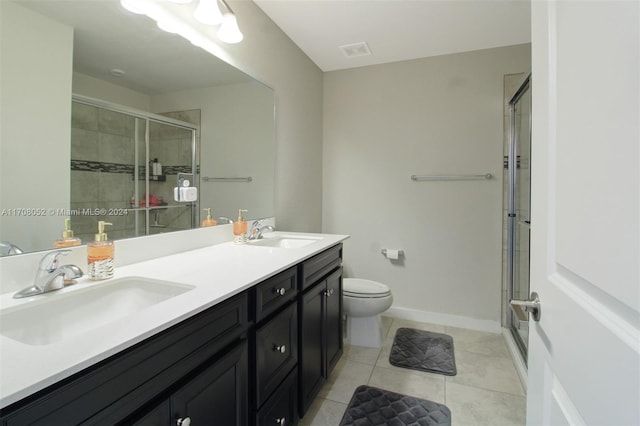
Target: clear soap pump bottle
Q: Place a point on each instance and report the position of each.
(240, 228)
(67, 240)
(100, 255)
(209, 221)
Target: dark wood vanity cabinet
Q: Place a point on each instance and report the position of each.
(257, 358)
(320, 323)
(216, 394)
(122, 386)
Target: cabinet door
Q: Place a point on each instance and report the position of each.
(333, 320)
(311, 361)
(159, 416)
(218, 394)
(276, 352)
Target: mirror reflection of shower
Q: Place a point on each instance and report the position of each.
(125, 162)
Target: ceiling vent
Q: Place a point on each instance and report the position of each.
(356, 49)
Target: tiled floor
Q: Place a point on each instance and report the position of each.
(486, 390)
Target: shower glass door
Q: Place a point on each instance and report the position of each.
(519, 210)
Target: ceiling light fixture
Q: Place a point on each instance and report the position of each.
(229, 32)
(208, 12)
(131, 7)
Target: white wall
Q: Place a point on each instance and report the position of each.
(106, 91)
(439, 115)
(229, 147)
(35, 117)
(267, 54)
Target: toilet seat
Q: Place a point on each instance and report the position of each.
(359, 288)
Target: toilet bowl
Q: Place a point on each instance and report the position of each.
(363, 302)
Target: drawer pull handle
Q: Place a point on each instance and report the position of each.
(280, 291)
(282, 348)
(281, 421)
(328, 292)
(183, 422)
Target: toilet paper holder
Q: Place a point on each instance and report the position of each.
(384, 253)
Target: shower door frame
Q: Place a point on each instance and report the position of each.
(512, 209)
(148, 117)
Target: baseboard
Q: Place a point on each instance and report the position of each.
(518, 361)
(444, 319)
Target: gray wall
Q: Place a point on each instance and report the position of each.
(271, 57)
(439, 115)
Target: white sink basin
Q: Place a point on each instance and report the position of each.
(52, 317)
(285, 241)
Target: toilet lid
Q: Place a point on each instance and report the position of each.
(357, 287)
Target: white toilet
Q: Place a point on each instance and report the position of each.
(363, 302)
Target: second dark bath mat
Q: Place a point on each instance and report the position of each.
(423, 350)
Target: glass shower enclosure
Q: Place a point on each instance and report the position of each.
(519, 208)
(124, 166)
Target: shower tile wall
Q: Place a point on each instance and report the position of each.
(103, 145)
(511, 83)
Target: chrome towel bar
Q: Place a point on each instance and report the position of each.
(227, 179)
(421, 178)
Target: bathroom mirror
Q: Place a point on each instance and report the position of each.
(97, 49)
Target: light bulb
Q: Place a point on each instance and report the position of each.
(229, 31)
(181, 1)
(208, 12)
(131, 6)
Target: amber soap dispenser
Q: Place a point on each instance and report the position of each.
(209, 221)
(240, 228)
(67, 240)
(100, 255)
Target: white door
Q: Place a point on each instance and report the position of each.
(584, 353)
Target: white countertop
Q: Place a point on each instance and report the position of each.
(216, 273)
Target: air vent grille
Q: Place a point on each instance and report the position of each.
(356, 49)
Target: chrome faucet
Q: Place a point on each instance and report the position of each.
(257, 229)
(50, 276)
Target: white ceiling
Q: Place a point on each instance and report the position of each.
(105, 36)
(397, 30)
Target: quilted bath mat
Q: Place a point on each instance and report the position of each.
(371, 406)
(423, 350)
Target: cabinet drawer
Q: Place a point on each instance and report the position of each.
(319, 265)
(274, 293)
(276, 352)
(281, 408)
(118, 386)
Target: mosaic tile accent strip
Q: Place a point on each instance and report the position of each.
(99, 166)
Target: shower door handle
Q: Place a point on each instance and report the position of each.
(522, 308)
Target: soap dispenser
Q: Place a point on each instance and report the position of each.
(67, 240)
(100, 255)
(209, 221)
(240, 228)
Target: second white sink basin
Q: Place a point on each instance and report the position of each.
(286, 241)
(52, 317)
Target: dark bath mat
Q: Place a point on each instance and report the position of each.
(377, 407)
(423, 350)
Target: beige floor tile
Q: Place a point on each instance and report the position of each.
(361, 354)
(344, 380)
(479, 342)
(486, 372)
(323, 412)
(407, 382)
(473, 406)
